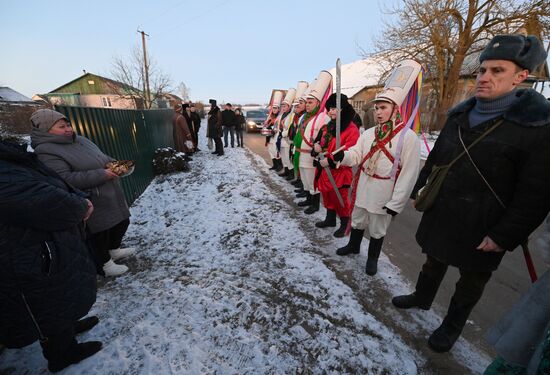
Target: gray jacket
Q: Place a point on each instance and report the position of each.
(519, 336)
(82, 164)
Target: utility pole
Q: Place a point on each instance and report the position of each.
(146, 89)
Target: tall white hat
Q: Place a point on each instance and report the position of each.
(277, 97)
(321, 86)
(289, 97)
(399, 83)
(300, 89)
(308, 90)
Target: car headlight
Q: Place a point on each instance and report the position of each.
(251, 123)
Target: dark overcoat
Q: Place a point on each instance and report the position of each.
(515, 161)
(46, 273)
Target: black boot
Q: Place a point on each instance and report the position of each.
(85, 324)
(274, 166)
(290, 176)
(330, 220)
(307, 202)
(76, 354)
(354, 244)
(444, 337)
(61, 350)
(426, 288)
(301, 194)
(298, 183)
(340, 232)
(279, 164)
(469, 290)
(314, 207)
(375, 246)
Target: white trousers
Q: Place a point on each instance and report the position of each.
(272, 148)
(287, 163)
(376, 224)
(307, 175)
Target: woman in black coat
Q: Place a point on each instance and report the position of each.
(47, 278)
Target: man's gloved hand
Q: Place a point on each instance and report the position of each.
(316, 163)
(390, 211)
(339, 156)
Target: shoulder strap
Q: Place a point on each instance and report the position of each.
(497, 124)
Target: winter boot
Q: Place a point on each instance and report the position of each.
(299, 187)
(340, 232)
(85, 324)
(307, 202)
(314, 207)
(444, 337)
(354, 244)
(375, 246)
(426, 288)
(330, 220)
(290, 176)
(301, 194)
(284, 172)
(77, 353)
(279, 164)
(298, 183)
(112, 269)
(275, 164)
(117, 254)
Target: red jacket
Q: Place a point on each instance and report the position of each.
(343, 175)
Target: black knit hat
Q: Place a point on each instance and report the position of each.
(212, 101)
(185, 105)
(331, 101)
(526, 51)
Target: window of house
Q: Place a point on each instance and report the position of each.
(109, 101)
(104, 101)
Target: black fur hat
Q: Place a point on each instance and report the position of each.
(331, 101)
(526, 51)
(212, 102)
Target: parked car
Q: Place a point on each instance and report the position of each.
(255, 119)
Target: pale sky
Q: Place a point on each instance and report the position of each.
(234, 51)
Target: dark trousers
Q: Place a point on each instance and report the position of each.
(219, 145)
(468, 291)
(108, 240)
(240, 138)
(226, 130)
(57, 347)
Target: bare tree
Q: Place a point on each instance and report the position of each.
(184, 91)
(130, 71)
(441, 34)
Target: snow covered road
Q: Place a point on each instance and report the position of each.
(230, 278)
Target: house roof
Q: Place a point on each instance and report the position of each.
(10, 95)
(90, 76)
(359, 74)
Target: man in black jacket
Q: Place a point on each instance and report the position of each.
(228, 121)
(493, 198)
(196, 121)
(214, 130)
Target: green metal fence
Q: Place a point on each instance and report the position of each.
(125, 134)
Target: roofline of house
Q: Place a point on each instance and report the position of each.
(123, 85)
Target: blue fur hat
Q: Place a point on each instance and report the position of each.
(526, 51)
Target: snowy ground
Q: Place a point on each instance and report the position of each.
(230, 278)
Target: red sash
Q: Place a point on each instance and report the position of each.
(379, 146)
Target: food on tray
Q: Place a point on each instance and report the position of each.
(121, 167)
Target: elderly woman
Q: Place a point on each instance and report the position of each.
(47, 278)
(83, 165)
